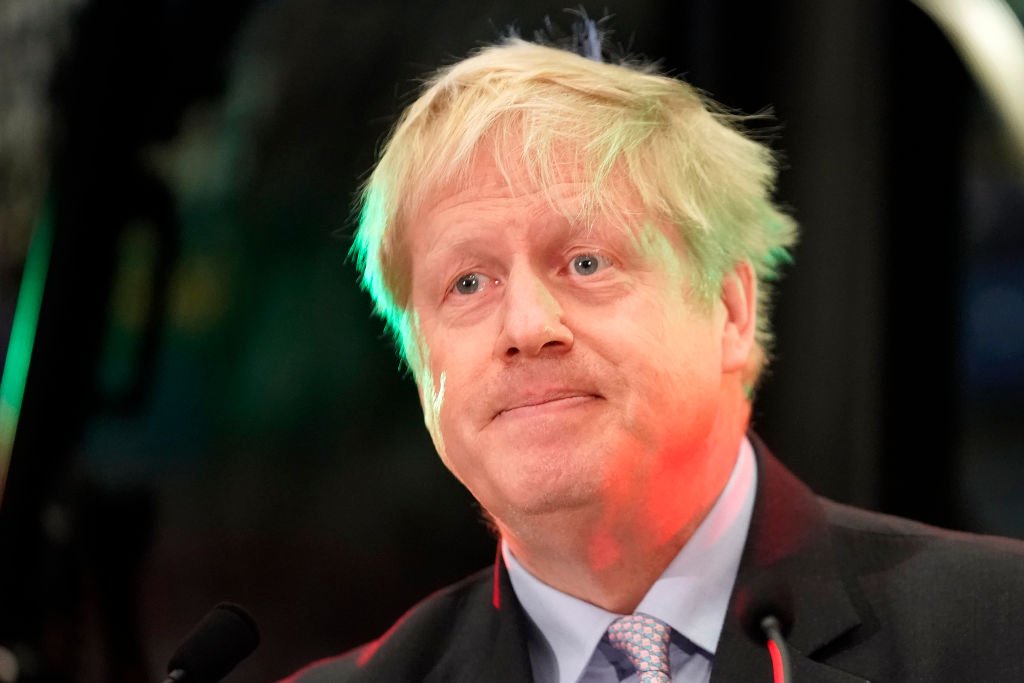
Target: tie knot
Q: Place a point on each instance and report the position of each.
(644, 640)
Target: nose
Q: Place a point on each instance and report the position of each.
(532, 318)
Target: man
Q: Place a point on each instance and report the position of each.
(575, 259)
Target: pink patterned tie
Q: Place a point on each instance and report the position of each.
(644, 640)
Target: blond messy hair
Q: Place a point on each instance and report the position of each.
(628, 130)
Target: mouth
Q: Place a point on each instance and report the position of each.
(546, 404)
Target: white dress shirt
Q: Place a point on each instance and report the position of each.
(566, 639)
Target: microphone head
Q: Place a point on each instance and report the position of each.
(761, 599)
(222, 639)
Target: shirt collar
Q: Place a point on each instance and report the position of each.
(691, 595)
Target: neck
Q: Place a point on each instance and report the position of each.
(610, 554)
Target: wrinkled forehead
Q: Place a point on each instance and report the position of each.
(562, 183)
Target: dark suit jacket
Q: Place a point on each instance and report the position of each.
(871, 597)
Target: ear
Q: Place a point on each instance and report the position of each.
(739, 300)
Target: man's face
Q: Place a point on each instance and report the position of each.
(563, 367)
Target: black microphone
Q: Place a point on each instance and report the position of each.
(766, 614)
(224, 637)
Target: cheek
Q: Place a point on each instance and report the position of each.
(431, 381)
(432, 389)
(432, 399)
(672, 361)
(448, 382)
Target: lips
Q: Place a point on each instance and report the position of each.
(546, 401)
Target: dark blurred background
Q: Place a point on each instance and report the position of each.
(210, 412)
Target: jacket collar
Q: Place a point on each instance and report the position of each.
(788, 566)
(491, 644)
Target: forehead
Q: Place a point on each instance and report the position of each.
(501, 194)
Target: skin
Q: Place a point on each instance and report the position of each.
(571, 381)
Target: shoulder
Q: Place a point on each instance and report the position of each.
(877, 551)
(887, 598)
(931, 595)
(412, 646)
(881, 544)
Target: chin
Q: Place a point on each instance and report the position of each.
(543, 492)
(524, 474)
(547, 504)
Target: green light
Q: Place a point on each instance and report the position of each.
(23, 333)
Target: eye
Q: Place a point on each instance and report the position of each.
(470, 283)
(588, 264)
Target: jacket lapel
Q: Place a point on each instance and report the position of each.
(490, 640)
(510, 657)
(788, 567)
